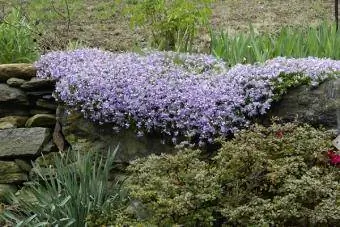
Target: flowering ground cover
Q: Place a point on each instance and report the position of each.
(179, 95)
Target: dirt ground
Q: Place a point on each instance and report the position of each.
(93, 23)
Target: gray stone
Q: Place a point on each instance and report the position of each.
(308, 105)
(38, 84)
(13, 109)
(12, 95)
(41, 120)
(23, 141)
(6, 189)
(41, 111)
(6, 125)
(15, 121)
(46, 104)
(18, 70)
(10, 172)
(84, 135)
(15, 82)
(24, 165)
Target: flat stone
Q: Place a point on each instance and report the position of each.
(17, 70)
(6, 189)
(16, 121)
(41, 120)
(39, 94)
(14, 109)
(23, 165)
(6, 125)
(23, 141)
(10, 172)
(16, 178)
(15, 82)
(46, 104)
(37, 84)
(12, 95)
(41, 111)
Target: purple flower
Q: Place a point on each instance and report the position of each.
(190, 95)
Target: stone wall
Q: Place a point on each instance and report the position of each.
(32, 124)
(27, 121)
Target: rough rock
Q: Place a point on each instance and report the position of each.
(14, 109)
(315, 106)
(46, 104)
(15, 82)
(18, 70)
(36, 111)
(6, 125)
(23, 165)
(84, 135)
(23, 141)
(38, 84)
(13, 121)
(12, 95)
(39, 94)
(6, 189)
(41, 120)
(10, 172)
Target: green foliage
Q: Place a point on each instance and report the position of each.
(173, 24)
(287, 81)
(321, 41)
(16, 40)
(170, 189)
(277, 175)
(65, 194)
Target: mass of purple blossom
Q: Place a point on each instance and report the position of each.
(187, 95)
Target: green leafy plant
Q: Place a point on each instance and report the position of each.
(173, 24)
(320, 41)
(287, 81)
(64, 195)
(169, 190)
(16, 39)
(266, 176)
(279, 175)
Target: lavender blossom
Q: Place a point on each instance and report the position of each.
(190, 95)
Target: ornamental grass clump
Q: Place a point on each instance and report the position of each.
(192, 97)
(64, 194)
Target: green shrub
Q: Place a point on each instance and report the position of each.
(279, 175)
(16, 40)
(76, 186)
(173, 24)
(171, 189)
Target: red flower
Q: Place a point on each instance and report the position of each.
(279, 134)
(334, 158)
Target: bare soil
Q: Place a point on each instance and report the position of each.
(94, 24)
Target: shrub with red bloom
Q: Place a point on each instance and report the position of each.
(334, 158)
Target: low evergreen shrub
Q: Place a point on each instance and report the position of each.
(275, 176)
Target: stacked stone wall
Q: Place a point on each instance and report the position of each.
(27, 121)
